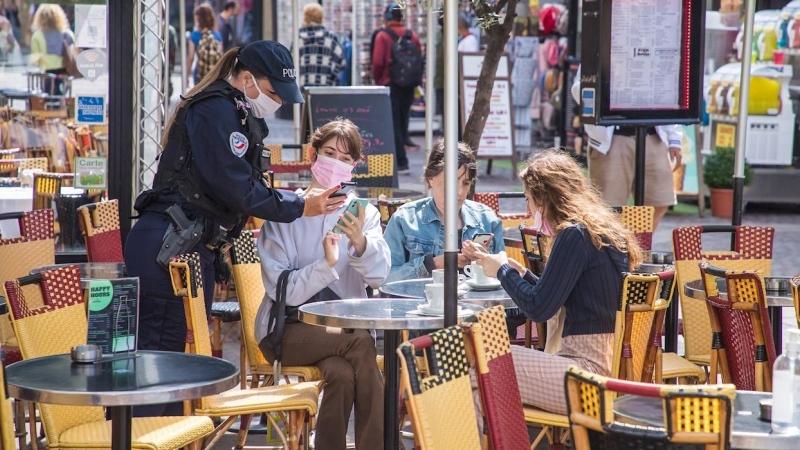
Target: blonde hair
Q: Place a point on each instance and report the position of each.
(50, 17)
(341, 130)
(312, 14)
(557, 183)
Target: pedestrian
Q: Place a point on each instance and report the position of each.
(397, 62)
(467, 42)
(205, 43)
(227, 30)
(52, 34)
(211, 172)
(321, 55)
(612, 161)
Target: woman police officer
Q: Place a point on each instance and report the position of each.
(211, 171)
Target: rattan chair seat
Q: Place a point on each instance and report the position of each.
(227, 311)
(542, 417)
(151, 433)
(308, 373)
(267, 399)
(674, 366)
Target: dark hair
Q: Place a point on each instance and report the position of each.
(339, 129)
(393, 12)
(229, 5)
(205, 17)
(435, 164)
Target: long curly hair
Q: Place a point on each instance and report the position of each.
(50, 17)
(557, 183)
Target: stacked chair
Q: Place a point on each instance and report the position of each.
(492, 200)
(99, 223)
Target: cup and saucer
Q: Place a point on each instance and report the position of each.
(434, 292)
(478, 281)
(437, 275)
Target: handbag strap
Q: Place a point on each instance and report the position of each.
(277, 322)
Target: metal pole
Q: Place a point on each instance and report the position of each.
(355, 73)
(167, 68)
(430, 95)
(184, 69)
(296, 58)
(450, 163)
(741, 122)
(638, 177)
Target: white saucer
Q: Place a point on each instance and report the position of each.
(424, 310)
(493, 284)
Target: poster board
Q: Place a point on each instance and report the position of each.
(642, 62)
(113, 314)
(497, 140)
(370, 108)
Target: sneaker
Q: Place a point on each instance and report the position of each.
(403, 170)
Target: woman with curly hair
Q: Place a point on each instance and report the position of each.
(47, 43)
(591, 249)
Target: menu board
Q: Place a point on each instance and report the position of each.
(645, 54)
(114, 314)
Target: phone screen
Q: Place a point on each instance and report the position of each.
(483, 239)
(352, 208)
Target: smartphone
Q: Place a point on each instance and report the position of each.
(352, 208)
(347, 188)
(483, 239)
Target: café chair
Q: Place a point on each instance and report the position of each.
(47, 187)
(487, 341)
(640, 220)
(293, 404)
(44, 151)
(492, 200)
(742, 346)
(536, 248)
(14, 167)
(279, 164)
(54, 329)
(387, 208)
(699, 415)
(440, 405)
(795, 283)
(6, 417)
(99, 223)
(10, 153)
(752, 250)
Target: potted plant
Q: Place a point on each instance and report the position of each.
(718, 176)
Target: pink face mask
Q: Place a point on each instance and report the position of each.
(330, 171)
(542, 225)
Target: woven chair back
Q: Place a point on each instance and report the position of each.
(487, 338)
(700, 415)
(752, 251)
(640, 220)
(492, 200)
(742, 340)
(53, 329)
(250, 291)
(387, 208)
(440, 405)
(536, 247)
(99, 223)
(13, 167)
(279, 164)
(46, 187)
(6, 416)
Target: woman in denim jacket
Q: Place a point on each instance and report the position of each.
(415, 233)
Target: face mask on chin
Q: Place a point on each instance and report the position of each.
(262, 106)
(330, 171)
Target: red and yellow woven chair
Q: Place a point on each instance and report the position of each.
(279, 164)
(387, 208)
(294, 404)
(640, 220)
(492, 200)
(99, 223)
(742, 346)
(14, 167)
(487, 339)
(752, 250)
(795, 283)
(535, 249)
(6, 417)
(440, 405)
(701, 415)
(55, 328)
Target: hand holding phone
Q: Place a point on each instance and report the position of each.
(352, 208)
(482, 241)
(346, 188)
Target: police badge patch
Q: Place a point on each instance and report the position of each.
(238, 143)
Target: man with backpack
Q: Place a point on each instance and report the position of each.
(397, 62)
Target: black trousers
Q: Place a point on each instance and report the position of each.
(401, 98)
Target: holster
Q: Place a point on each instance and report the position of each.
(181, 236)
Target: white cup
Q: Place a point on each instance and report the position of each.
(438, 276)
(434, 292)
(475, 271)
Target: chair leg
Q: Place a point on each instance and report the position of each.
(244, 429)
(19, 422)
(294, 428)
(243, 362)
(32, 425)
(216, 337)
(217, 434)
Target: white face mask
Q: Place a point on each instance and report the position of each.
(262, 106)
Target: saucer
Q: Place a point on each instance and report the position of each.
(493, 284)
(424, 310)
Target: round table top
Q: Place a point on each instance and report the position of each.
(415, 289)
(144, 378)
(91, 271)
(366, 192)
(780, 299)
(373, 314)
(749, 431)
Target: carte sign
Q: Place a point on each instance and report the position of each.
(90, 173)
(113, 314)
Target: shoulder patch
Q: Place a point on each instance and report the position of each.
(238, 143)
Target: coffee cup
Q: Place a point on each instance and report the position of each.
(475, 271)
(438, 276)
(434, 292)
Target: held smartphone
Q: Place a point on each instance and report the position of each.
(352, 208)
(347, 188)
(483, 239)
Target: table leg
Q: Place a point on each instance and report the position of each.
(120, 427)
(391, 431)
(776, 317)
(671, 325)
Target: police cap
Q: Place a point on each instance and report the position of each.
(273, 60)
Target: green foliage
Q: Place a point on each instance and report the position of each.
(718, 169)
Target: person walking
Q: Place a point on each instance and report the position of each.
(227, 30)
(321, 55)
(205, 42)
(48, 43)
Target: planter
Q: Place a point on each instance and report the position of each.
(722, 203)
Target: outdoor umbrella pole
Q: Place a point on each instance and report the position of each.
(638, 183)
(298, 138)
(430, 96)
(450, 163)
(741, 122)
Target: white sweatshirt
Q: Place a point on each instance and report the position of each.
(298, 245)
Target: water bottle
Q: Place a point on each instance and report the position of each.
(786, 388)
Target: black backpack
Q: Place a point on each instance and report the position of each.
(406, 65)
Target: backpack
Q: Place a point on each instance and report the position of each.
(406, 63)
(68, 58)
(209, 52)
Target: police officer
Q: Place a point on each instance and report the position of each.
(209, 180)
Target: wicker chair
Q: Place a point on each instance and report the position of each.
(47, 187)
(535, 247)
(742, 345)
(6, 417)
(295, 402)
(280, 165)
(795, 284)
(13, 167)
(492, 200)
(497, 383)
(752, 249)
(701, 415)
(640, 220)
(55, 328)
(388, 207)
(440, 405)
(99, 223)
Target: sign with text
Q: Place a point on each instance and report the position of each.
(91, 173)
(114, 314)
(90, 26)
(90, 109)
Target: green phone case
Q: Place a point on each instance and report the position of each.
(353, 209)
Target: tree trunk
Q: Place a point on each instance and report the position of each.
(496, 37)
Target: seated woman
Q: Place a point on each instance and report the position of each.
(591, 249)
(415, 232)
(325, 264)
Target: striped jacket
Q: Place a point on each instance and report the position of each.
(321, 57)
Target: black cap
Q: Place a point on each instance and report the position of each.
(273, 60)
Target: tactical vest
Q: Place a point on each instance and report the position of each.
(176, 167)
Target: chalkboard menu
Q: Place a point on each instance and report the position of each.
(371, 110)
(113, 314)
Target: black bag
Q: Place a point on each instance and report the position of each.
(406, 65)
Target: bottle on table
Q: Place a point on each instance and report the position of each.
(786, 387)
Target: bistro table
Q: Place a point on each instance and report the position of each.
(390, 315)
(776, 300)
(749, 431)
(144, 378)
(91, 271)
(371, 193)
(415, 289)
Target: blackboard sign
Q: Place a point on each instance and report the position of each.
(371, 110)
(113, 314)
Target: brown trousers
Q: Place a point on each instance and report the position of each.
(347, 361)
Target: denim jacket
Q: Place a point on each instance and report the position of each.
(416, 229)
